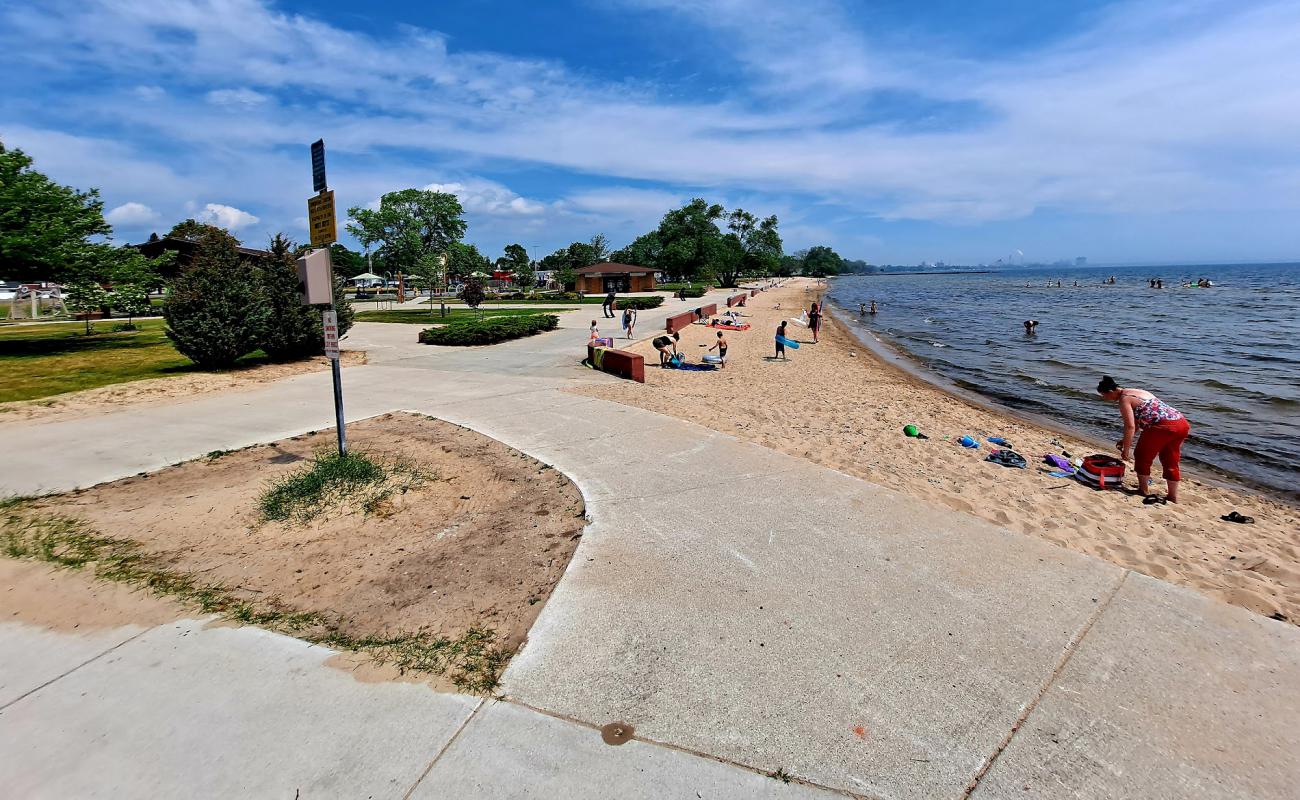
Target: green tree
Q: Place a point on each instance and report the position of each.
(760, 242)
(85, 297)
(821, 261)
(644, 251)
(44, 227)
(599, 248)
(200, 232)
(294, 330)
(409, 226)
(516, 262)
(689, 238)
(215, 309)
(133, 276)
(464, 260)
(346, 262)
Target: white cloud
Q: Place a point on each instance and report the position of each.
(149, 93)
(236, 97)
(482, 196)
(132, 213)
(622, 203)
(227, 217)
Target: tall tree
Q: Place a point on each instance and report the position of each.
(409, 226)
(599, 248)
(689, 238)
(463, 260)
(201, 231)
(759, 240)
(293, 330)
(516, 262)
(821, 261)
(44, 227)
(644, 251)
(346, 262)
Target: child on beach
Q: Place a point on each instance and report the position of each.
(629, 321)
(814, 320)
(780, 334)
(721, 347)
(595, 332)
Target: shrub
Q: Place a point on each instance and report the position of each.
(489, 330)
(215, 311)
(293, 330)
(693, 291)
(640, 303)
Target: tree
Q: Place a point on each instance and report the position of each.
(473, 292)
(201, 232)
(409, 226)
(644, 251)
(133, 276)
(821, 261)
(294, 330)
(346, 262)
(85, 297)
(44, 226)
(464, 260)
(760, 242)
(599, 248)
(689, 239)
(566, 262)
(516, 262)
(215, 309)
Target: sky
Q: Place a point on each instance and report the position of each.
(895, 132)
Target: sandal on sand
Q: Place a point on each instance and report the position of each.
(1237, 516)
(1154, 500)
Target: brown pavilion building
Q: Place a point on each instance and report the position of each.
(608, 277)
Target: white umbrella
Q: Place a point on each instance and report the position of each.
(366, 276)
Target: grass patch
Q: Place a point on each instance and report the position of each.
(472, 661)
(332, 480)
(426, 317)
(489, 330)
(44, 360)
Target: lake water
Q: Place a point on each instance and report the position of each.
(1228, 357)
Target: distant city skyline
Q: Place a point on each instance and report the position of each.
(1131, 131)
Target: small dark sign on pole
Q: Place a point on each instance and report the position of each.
(318, 165)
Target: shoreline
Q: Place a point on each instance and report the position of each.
(890, 355)
(838, 405)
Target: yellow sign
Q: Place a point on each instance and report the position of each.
(320, 213)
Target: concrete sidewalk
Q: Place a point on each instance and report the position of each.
(733, 604)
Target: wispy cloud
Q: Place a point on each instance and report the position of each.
(1155, 109)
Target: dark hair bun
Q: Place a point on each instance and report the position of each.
(1106, 384)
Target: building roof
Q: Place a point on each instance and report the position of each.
(609, 268)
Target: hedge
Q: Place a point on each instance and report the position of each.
(640, 303)
(697, 291)
(488, 330)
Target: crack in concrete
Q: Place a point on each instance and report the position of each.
(429, 767)
(92, 659)
(1071, 648)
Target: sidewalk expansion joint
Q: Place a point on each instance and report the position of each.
(60, 677)
(688, 751)
(1070, 648)
(429, 767)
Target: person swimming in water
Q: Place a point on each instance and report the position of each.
(1163, 429)
(1031, 327)
(873, 308)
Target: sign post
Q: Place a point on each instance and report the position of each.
(318, 276)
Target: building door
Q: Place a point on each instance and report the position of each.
(617, 283)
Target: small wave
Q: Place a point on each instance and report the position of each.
(938, 344)
(1250, 394)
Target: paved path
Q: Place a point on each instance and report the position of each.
(745, 611)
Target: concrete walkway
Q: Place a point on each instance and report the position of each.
(745, 611)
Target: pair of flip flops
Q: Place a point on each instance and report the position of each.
(1238, 517)
(1154, 500)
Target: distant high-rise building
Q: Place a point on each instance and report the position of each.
(1081, 261)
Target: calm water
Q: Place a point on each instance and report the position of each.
(1228, 357)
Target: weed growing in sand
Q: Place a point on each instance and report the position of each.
(331, 480)
(473, 662)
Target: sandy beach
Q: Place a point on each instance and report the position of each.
(836, 404)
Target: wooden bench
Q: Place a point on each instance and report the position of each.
(617, 362)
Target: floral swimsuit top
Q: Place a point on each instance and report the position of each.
(1154, 410)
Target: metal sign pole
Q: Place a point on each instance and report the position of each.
(320, 212)
(338, 388)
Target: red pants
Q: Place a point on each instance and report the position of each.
(1164, 439)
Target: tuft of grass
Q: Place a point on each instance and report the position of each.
(472, 661)
(780, 774)
(331, 480)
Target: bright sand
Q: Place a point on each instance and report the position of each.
(836, 404)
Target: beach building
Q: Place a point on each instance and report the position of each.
(608, 277)
(185, 250)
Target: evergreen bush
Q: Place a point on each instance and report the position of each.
(640, 303)
(489, 330)
(215, 309)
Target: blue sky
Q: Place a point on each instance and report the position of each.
(893, 131)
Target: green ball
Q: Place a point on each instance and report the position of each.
(910, 430)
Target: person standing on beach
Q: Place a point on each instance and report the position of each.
(780, 334)
(1163, 431)
(721, 347)
(607, 306)
(814, 320)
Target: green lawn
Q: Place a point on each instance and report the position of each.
(43, 360)
(421, 316)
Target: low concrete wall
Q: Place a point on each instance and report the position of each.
(737, 300)
(753, 292)
(678, 321)
(617, 362)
